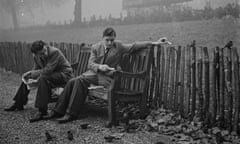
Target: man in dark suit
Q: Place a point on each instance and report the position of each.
(104, 59)
(51, 69)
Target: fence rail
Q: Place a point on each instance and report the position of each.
(194, 81)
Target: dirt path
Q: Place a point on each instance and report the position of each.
(16, 129)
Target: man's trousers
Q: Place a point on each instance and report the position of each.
(73, 97)
(45, 84)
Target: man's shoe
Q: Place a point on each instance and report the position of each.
(37, 117)
(52, 115)
(66, 118)
(13, 108)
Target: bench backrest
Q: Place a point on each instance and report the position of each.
(83, 57)
(137, 62)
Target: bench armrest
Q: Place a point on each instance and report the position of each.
(141, 74)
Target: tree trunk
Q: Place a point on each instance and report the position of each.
(78, 11)
(12, 5)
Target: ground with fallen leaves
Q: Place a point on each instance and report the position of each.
(160, 127)
(16, 129)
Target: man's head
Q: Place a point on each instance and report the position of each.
(109, 35)
(39, 48)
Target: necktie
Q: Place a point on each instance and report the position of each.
(105, 55)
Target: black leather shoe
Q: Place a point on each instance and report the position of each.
(13, 108)
(66, 118)
(37, 117)
(52, 115)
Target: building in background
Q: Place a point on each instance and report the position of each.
(200, 4)
(140, 7)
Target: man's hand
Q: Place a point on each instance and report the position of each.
(27, 75)
(162, 40)
(35, 74)
(30, 77)
(105, 68)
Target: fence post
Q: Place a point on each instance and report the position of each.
(172, 79)
(236, 88)
(1, 55)
(207, 86)
(214, 97)
(177, 83)
(12, 57)
(188, 95)
(28, 58)
(162, 75)
(152, 97)
(61, 47)
(217, 52)
(18, 57)
(200, 84)
(194, 90)
(157, 77)
(228, 79)
(182, 82)
(222, 81)
(166, 79)
(7, 57)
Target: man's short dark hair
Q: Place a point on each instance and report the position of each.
(37, 46)
(109, 32)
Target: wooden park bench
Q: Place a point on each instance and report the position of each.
(129, 85)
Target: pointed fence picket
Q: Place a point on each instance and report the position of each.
(191, 80)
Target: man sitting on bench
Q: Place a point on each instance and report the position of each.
(51, 70)
(104, 59)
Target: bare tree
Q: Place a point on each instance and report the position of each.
(78, 11)
(10, 7)
(13, 7)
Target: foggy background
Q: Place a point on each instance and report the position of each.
(57, 12)
(209, 22)
(41, 12)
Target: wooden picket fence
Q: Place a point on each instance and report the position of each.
(17, 57)
(193, 81)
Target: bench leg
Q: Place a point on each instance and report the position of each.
(111, 111)
(143, 107)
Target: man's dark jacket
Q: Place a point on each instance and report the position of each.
(55, 61)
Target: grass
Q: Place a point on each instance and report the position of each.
(210, 33)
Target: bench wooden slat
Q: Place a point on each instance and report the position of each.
(99, 92)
